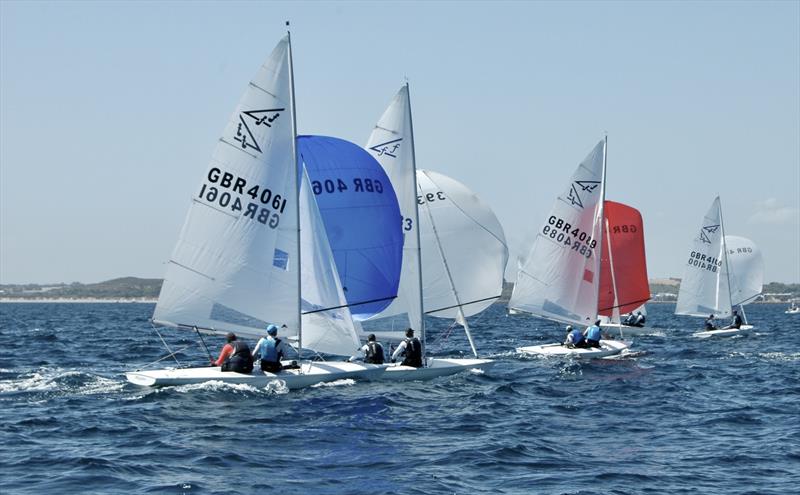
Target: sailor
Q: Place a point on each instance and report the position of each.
(270, 350)
(412, 348)
(373, 351)
(592, 335)
(234, 356)
(736, 320)
(639, 322)
(630, 320)
(574, 338)
(710, 325)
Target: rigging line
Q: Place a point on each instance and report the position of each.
(165, 357)
(165, 344)
(465, 213)
(204, 343)
(463, 304)
(349, 305)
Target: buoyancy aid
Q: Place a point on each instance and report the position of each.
(269, 350)
(374, 353)
(413, 353)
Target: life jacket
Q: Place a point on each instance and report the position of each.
(241, 360)
(269, 350)
(374, 353)
(577, 336)
(593, 333)
(737, 321)
(413, 353)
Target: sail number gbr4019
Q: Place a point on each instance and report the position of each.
(227, 191)
(563, 233)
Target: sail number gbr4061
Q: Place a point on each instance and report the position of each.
(230, 192)
(562, 232)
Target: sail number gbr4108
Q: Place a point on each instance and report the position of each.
(223, 190)
(563, 233)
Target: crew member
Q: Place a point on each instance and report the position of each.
(373, 351)
(593, 335)
(234, 356)
(574, 338)
(270, 350)
(412, 348)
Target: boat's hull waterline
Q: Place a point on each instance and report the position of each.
(607, 348)
(724, 332)
(626, 330)
(435, 368)
(307, 374)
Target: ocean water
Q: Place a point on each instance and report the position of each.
(681, 415)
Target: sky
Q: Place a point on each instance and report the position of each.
(109, 112)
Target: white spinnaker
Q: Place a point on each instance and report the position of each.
(329, 331)
(461, 231)
(392, 145)
(746, 268)
(234, 267)
(560, 277)
(704, 287)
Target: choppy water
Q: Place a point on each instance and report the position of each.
(682, 416)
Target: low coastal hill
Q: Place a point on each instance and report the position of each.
(147, 289)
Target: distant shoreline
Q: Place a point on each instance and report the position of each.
(121, 300)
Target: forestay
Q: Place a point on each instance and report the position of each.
(705, 287)
(235, 265)
(746, 267)
(623, 274)
(362, 220)
(560, 277)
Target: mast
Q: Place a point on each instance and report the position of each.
(297, 189)
(603, 221)
(725, 253)
(416, 210)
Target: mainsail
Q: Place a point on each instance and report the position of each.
(623, 273)
(561, 275)
(392, 145)
(705, 286)
(746, 267)
(235, 265)
(362, 220)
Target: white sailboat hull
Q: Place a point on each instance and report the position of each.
(626, 330)
(795, 311)
(607, 348)
(309, 373)
(436, 367)
(724, 332)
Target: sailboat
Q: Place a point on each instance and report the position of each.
(437, 278)
(793, 309)
(722, 271)
(237, 263)
(624, 286)
(562, 275)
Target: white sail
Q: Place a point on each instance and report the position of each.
(464, 248)
(746, 268)
(327, 322)
(705, 288)
(560, 277)
(236, 261)
(392, 145)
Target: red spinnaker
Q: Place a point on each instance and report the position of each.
(625, 234)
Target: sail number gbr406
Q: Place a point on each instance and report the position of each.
(563, 233)
(223, 190)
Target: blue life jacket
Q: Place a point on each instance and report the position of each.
(593, 333)
(577, 336)
(269, 350)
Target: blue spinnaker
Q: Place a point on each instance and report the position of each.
(362, 219)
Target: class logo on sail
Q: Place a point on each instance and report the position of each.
(711, 229)
(388, 148)
(585, 187)
(255, 118)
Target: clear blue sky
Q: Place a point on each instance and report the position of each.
(109, 113)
